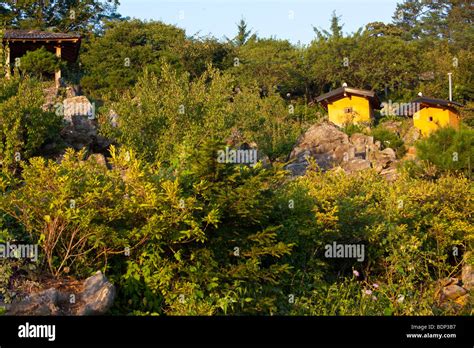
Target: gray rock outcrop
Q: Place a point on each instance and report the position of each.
(94, 296)
(80, 124)
(331, 148)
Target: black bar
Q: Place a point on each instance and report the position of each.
(245, 331)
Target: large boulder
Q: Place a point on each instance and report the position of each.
(318, 139)
(411, 136)
(94, 296)
(390, 173)
(332, 148)
(80, 127)
(393, 126)
(467, 276)
(79, 107)
(97, 296)
(44, 303)
(50, 97)
(343, 153)
(80, 124)
(363, 143)
(322, 142)
(382, 159)
(356, 165)
(453, 291)
(297, 169)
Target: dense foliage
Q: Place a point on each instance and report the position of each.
(449, 150)
(38, 63)
(187, 112)
(62, 15)
(409, 229)
(25, 125)
(204, 240)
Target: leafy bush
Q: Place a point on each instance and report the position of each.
(6, 271)
(271, 64)
(115, 61)
(207, 238)
(204, 235)
(162, 112)
(10, 268)
(24, 125)
(266, 121)
(214, 249)
(79, 215)
(352, 297)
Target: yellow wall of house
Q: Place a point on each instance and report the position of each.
(454, 120)
(361, 111)
(439, 118)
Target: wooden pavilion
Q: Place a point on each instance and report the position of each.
(17, 42)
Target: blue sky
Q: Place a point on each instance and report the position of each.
(283, 19)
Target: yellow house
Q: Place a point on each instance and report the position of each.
(349, 105)
(431, 114)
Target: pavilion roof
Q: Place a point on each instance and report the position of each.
(37, 35)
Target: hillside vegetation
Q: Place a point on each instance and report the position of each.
(180, 233)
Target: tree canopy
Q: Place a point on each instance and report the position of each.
(60, 15)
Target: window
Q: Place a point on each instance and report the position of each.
(430, 118)
(347, 110)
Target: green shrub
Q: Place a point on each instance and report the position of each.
(352, 128)
(9, 268)
(39, 62)
(203, 234)
(114, 61)
(390, 139)
(207, 238)
(24, 125)
(79, 215)
(213, 249)
(448, 150)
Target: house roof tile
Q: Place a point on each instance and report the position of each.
(21, 34)
(436, 102)
(342, 91)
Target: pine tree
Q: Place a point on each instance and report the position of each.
(243, 34)
(336, 29)
(407, 15)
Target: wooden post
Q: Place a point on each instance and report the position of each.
(7, 61)
(57, 74)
